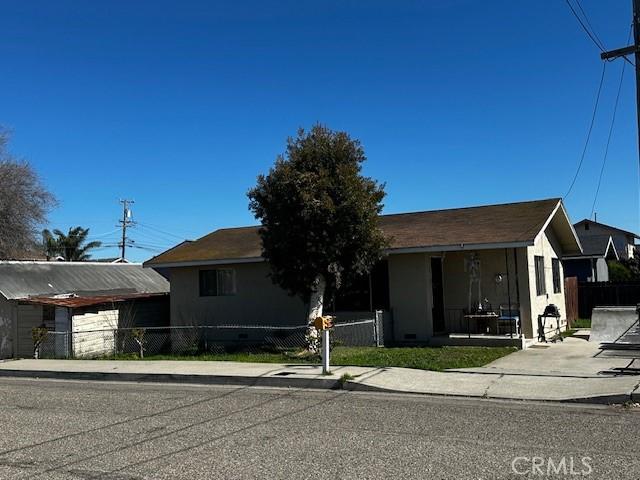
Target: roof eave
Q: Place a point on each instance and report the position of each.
(560, 208)
(459, 247)
(202, 263)
(611, 245)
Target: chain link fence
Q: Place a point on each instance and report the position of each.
(197, 340)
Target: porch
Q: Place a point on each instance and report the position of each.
(461, 297)
(500, 321)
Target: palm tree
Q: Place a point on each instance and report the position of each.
(71, 247)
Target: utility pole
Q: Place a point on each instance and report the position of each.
(124, 223)
(635, 51)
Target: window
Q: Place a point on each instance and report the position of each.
(215, 283)
(555, 268)
(541, 287)
(49, 316)
(586, 226)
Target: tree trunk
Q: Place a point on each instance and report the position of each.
(317, 298)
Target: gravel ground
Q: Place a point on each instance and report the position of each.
(84, 430)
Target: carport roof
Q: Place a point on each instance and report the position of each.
(77, 301)
(491, 226)
(22, 280)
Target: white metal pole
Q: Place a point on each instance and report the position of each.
(325, 351)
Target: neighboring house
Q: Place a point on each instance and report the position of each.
(623, 240)
(439, 267)
(592, 265)
(75, 297)
(107, 260)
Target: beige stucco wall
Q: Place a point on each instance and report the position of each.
(257, 300)
(410, 296)
(547, 246)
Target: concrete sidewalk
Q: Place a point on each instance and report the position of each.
(568, 371)
(183, 371)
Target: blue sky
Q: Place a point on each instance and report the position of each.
(179, 105)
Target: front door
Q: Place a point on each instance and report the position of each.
(438, 295)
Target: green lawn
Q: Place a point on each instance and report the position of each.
(581, 323)
(424, 358)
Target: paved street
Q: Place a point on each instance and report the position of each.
(82, 430)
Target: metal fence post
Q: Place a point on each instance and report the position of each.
(379, 324)
(325, 351)
(376, 335)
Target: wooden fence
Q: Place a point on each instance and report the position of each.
(600, 294)
(571, 298)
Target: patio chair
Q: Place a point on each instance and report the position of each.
(508, 320)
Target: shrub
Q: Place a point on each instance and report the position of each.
(619, 272)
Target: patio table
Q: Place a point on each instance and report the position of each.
(477, 317)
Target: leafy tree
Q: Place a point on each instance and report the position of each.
(71, 247)
(319, 215)
(631, 268)
(24, 204)
(620, 272)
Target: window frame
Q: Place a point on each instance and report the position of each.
(218, 289)
(557, 280)
(541, 284)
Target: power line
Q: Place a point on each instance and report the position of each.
(586, 19)
(591, 33)
(151, 227)
(158, 236)
(146, 244)
(593, 118)
(140, 233)
(105, 234)
(149, 249)
(606, 150)
(594, 38)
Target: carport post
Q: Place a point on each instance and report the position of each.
(325, 351)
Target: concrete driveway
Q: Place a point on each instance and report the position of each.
(575, 357)
(565, 371)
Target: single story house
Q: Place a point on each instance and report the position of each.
(592, 265)
(623, 240)
(73, 298)
(447, 278)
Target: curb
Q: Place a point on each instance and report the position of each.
(597, 400)
(281, 382)
(285, 382)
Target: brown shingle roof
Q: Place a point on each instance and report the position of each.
(492, 224)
